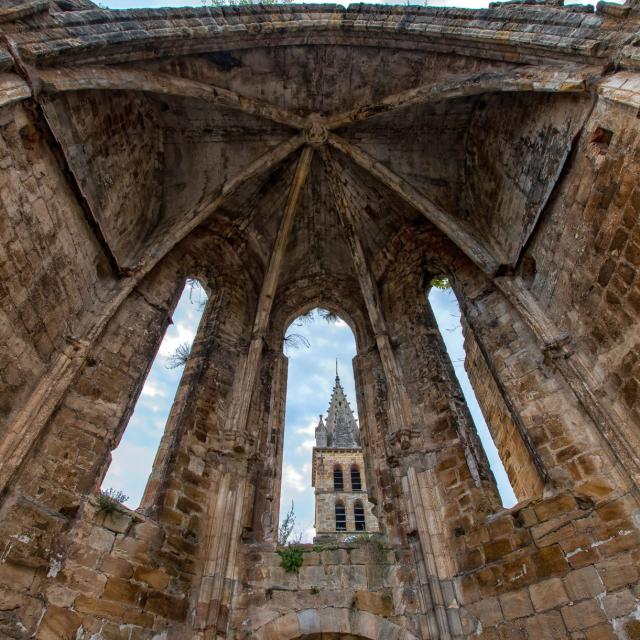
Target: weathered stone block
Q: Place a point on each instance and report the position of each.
(619, 604)
(582, 615)
(516, 604)
(156, 578)
(548, 594)
(488, 611)
(546, 626)
(309, 622)
(617, 573)
(122, 590)
(59, 623)
(101, 540)
(583, 583)
(167, 606)
(374, 602)
(549, 561)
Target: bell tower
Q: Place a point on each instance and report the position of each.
(342, 507)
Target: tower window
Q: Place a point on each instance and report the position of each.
(356, 483)
(338, 480)
(358, 514)
(341, 517)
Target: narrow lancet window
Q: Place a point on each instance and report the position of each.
(341, 517)
(323, 457)
(338, 480)
(446, 311)
(358, 515)
(133, 459)
(356, 483)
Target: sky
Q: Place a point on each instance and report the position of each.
(150, 4)
(311, 377)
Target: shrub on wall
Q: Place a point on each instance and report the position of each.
(290, 558)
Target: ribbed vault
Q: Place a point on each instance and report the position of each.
(318, 155)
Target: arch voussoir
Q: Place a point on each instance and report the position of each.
(331, 622)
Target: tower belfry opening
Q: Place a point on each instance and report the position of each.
(341, 504)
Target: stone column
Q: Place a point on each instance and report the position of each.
(198, 363)
(268, 467)
(223, 528)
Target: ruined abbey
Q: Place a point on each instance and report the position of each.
(298, 156)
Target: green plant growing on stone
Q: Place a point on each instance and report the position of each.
(291, 558)
(110, 500)
(441, 282)
(286, 526)
(314, 591)
(290, 553)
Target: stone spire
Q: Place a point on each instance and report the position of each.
(341, 425)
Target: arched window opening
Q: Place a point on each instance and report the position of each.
(338, 480)
(321, 437)
(341, 517)
(358, 516)
(132, 460)
(446, 310)
(356, 482)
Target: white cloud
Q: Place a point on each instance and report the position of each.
(308, 534)
(155, 406)
(306, 445)
(309, 429)
(175, 336)
(293, 479)
(130, 471)
(151, 390)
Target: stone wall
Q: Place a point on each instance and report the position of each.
(523, 475)
(345, 587)
(117, 582)
(48, 251)
(558, 568)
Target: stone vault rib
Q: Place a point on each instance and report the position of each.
(225, 514)
(114, 78)
(243, 389)
(455, 230)
(527, 79)
(399, 402)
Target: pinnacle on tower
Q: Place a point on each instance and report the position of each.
(321, 434)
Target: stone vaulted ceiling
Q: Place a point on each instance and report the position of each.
(162, 140)
(396, 128)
